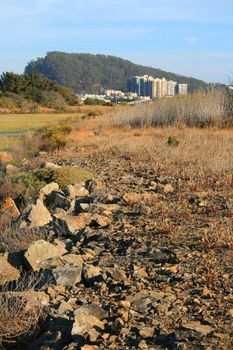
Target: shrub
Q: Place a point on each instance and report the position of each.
(94, 101)
(20, 310)
(94, 114)
(172, 141)
(65, 175)
(52, 138)
(51, 99)
(7, 102)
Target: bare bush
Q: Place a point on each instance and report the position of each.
(20, 310)
(202, 109)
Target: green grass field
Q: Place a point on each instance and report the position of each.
(22, 123)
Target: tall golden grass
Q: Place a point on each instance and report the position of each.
(201, 109)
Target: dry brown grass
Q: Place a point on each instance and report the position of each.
(20, 310)
(193, 110)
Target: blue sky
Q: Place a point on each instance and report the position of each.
(185, 37)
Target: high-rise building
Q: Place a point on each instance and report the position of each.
(148, 86)
(171, 88)
(183, 89)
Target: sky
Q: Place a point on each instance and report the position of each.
(191, 38)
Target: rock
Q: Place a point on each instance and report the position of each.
(7, 272)
(92, 185)
(143, 345)
(64, 307)
(196, 326)
(57, 200)
(168, 188)
(67, 275)
(47, 165)
(72, 259)
(133, 198)
(99, 221)
(11, 169)
(92, 273)
(9, 209)
(39, 215)
(146, 332)
(117, 274)
(20, 202)
(76, 191)
(42, 254)
(68, 224)
(47, 189)
(86, 318)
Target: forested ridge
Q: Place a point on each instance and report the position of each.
(84, 72)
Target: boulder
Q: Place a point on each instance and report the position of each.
(87, 318)
(67, 275)
(7, 272)
(68, 224)
(39, 215)
(73, 260)
(47, 189)
(76, 191)
(42, 254)
(57, 200)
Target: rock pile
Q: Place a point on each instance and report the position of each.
(116, 280)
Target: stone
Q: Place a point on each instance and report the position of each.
(146, 332)
(143, 345)
(57, 200)
(93, 184)
(168, 188)
(196, 326)
(69, 224)
(47, 189)
(92, 273)
(39, 215)
(11, 169)
(7, 271)
(99, 221)
(72, 259)
(41, 254)
(86, 318)
(117, 274)
(48, 165)
(67, 275)
(76, 190)
(64, 307)
(9, 209)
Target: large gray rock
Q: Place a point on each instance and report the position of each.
(86, 318)
(39, 215)
(67, 275)
(42, 254)
(7, 272)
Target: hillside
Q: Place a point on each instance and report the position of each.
(89, 73)
(29, 91)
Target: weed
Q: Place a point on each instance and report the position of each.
(20, 310)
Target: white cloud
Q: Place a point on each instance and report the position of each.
(191, 39)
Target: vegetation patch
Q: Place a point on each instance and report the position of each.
(65, 175)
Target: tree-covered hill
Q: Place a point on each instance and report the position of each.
(85, 72)
(18, 90)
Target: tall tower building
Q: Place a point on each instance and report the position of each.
(183, 89)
